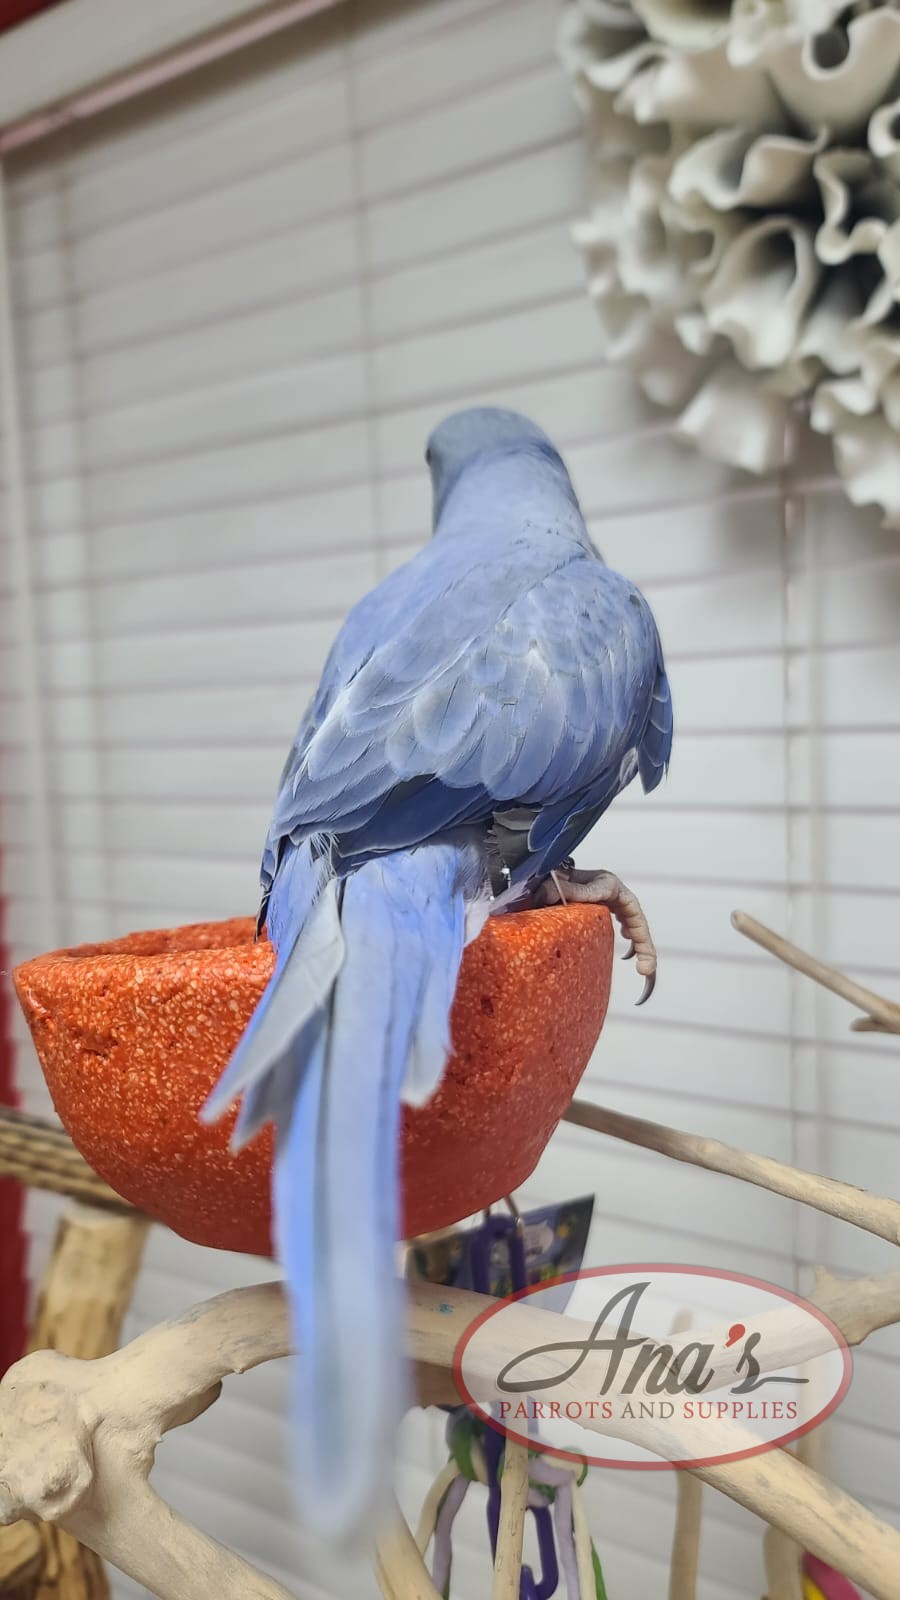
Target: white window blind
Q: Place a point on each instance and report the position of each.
(240, 306)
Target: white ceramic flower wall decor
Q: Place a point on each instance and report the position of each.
(742, 241)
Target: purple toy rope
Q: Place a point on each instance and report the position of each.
(543, 1471)
(565, 1538)
(543, 1523)
(505, 1228)
(491, 1228)
(527, 1588)
(493, 1449)
(453, 1499)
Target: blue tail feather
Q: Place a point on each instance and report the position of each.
(380, 952)
(310, 951)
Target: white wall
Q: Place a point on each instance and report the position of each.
(241, 306)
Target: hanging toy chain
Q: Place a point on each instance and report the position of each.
(478, 1455)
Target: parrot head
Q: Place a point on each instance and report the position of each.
(466, 434)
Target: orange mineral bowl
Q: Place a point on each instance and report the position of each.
(133, 1034)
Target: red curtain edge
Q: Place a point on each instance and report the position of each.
(12, 12)
(13, 1284)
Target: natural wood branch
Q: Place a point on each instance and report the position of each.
(400, 1565)
(817, 1514)
(876, 1213)
(89, 1284)
(171, 1374)
(828, 1522)
(21, 1558)
(510, 1535)
(68, 1570)
(784, 1574)
(686, 1540)
(783, 1555)
(685, 1562)
(43, 1156)
(83, 1300)
(79, 1438)
(881, 1015)
(858, 1306)
(872, 1025)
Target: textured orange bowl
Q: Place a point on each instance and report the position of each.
(133, 1034)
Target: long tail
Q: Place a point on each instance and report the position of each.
(304, 923)
(381, 953)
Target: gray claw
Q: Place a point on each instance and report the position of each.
(649, 986)
(629, 953)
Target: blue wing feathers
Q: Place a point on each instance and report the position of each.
(656, 745)
(491, 718)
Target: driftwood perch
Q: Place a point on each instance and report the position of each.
(78, 1440)
(874, 1213)
(106, 1417)
(84, 1298)
(879, 1015)
(401, 1570)
(21, 1559)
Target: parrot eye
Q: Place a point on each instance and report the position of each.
(428, 456)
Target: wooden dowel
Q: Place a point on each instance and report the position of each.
(511, 1533)
(400, 1566)
(782, 1556)
(686, 1539)
(685, 1560)
(876, 1213)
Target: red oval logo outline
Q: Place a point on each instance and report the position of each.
(617, 1268)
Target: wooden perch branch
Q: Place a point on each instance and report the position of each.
(400, 1566)
(784, 1575)
(774, 1485)
(41, 1155)
(685, 1562)
(876, 1213)
(79, 1439)
(511, 1532)
(686, 1541)
(881, 1015)
(21, 1558)
(84, 1297)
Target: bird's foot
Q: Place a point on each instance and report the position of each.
(568, 884)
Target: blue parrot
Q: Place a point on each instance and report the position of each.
(478, 712)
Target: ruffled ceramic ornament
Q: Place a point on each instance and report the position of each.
(132, 1035)
(743, 235)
